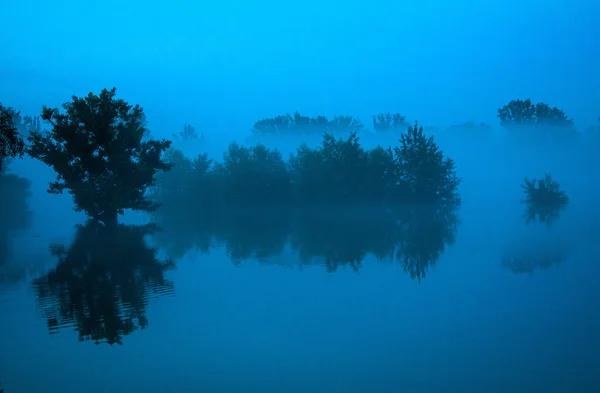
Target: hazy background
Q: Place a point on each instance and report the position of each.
(233, 62)
(472, 325)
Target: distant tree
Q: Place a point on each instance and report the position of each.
(423, 171)
(299, 124)
(97, 150)
(251, 176)
(520, 113)
(471, 125)
(188, 133)
(11, 143)
(388, 121)
(26, 124)
(333, 173)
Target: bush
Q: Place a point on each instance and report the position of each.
(544, 199)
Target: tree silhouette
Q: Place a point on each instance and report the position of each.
(11, 143)
(103, 281)
(544, 200)
(388, 121)
(539, 121)
(97, 151)
(425, 174)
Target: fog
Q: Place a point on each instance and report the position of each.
(223, 66)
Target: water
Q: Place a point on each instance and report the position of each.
(285, 322)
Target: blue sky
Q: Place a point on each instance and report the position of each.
(441, 62)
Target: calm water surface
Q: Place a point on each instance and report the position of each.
(476, 322)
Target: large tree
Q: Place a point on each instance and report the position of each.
(11, 143)
(97, 151)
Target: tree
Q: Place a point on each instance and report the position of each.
(388, 121)
(11, 143)
(520, 113)
(427, 175)
(97, 151)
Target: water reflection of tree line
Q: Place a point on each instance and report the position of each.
(102, 282)
(15, 216)
(413, 236)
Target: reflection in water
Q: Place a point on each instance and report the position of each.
(547, 215)
(537, 249)
(527, 263)
(102, 282)
(15, 216)
(333, 237)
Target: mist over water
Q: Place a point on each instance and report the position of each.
(321, 301)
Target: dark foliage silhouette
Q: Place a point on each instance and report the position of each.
(338, 172)
(102, 282)
(299, 124)
(11, 142)
(536, 123)
(97, 151)
(425, 174)
(544, 200)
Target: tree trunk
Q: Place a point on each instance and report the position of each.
(109, 218)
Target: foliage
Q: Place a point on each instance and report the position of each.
(11, 143)
(254, 203)
(388, 121)
(524, 113)
(425, 175)
(299, 124)
(538, 121)
(102, 282)
(188, 133)
(544, 199)
(339, 171)
(251, 176)
(97, 151)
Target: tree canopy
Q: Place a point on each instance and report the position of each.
(96, 148)
(518, 113)
(11, 142)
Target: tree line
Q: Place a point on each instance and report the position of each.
(98, 146)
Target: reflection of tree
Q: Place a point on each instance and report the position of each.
(332, 236)
(15, 215)
(343, 237)
(536, 251)
(425, 232)
(177, 236)
(256, 235)
(544, 200)
(102, 282)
